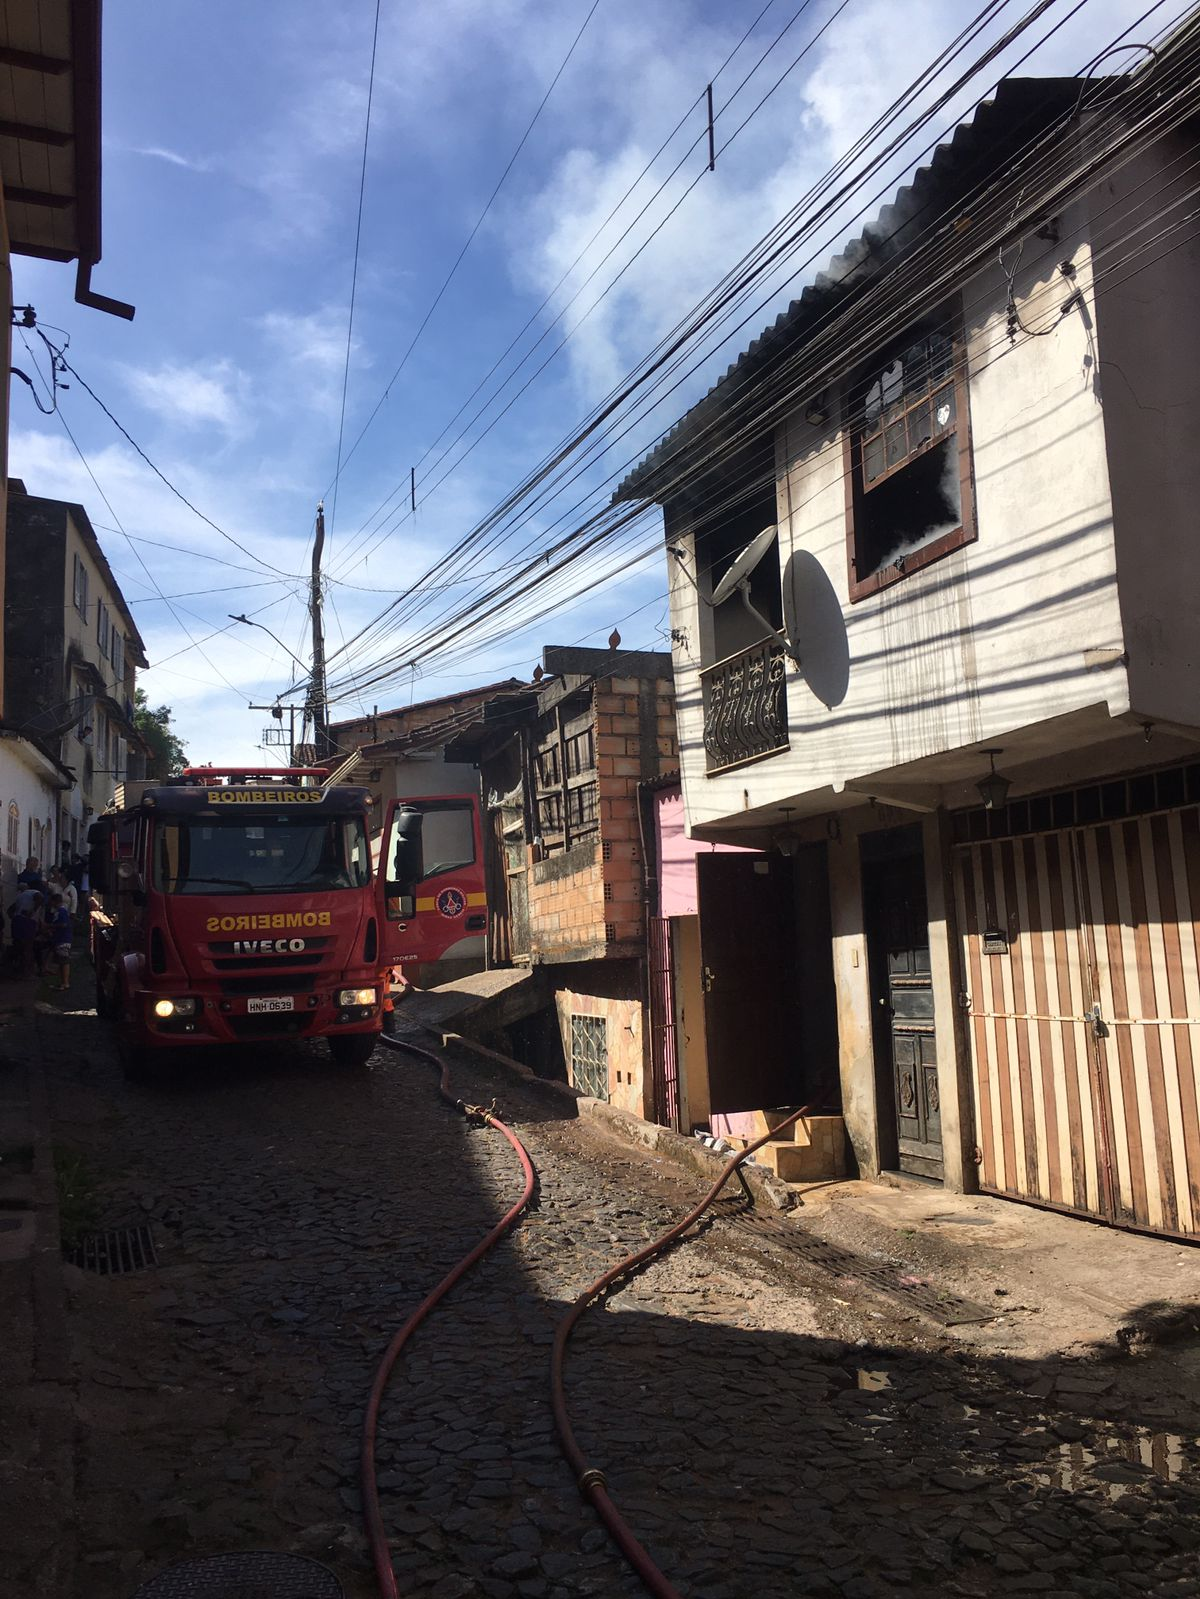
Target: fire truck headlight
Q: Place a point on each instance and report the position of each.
(174, 1007)
(356, 996)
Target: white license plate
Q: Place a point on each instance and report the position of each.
(256, 1006)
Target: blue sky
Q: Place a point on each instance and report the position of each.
(232, 157)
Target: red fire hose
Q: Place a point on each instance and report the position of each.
(589, 1478)
(372, 1514)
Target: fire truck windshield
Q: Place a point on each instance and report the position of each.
(268, 853)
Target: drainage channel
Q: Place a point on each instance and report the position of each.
(783, 1241)
(114, 1252)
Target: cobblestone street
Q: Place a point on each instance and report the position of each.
(767, 1432)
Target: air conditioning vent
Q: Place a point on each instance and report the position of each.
(371, 942)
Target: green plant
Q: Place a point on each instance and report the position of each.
(78, 1203)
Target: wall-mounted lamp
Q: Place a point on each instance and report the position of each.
(993, 789)
(788, 844)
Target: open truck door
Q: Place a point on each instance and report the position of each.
(431, 882)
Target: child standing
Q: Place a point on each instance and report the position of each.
(58, 922)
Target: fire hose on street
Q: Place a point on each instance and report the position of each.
(590, 1479)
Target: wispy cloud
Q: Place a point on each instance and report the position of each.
(194, 396)
(157, 153)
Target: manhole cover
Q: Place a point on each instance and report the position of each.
(245, 1576)
(120, 1249)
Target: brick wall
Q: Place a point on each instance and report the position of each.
(588, 902)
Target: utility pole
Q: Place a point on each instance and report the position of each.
(277, 711)
(317, 708)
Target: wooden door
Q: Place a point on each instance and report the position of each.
(902, 990)
(747, 952)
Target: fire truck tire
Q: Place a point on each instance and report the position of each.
(354, 1049)
(104, 1007)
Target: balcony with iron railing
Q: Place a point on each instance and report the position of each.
(745, 706)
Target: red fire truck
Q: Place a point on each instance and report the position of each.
(240, 906)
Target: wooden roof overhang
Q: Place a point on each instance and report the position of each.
(50, 135)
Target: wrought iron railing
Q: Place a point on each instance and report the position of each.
(745, 706)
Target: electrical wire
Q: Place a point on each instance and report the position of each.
(678, 336)
(470, 239)
(362, 189)
(66, 366)
(1004, 342)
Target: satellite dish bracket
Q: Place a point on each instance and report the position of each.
(743, 588)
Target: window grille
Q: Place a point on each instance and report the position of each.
(589, 1055)
(14, 827)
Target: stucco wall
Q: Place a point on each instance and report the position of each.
(34, 797)
(1149, 346)
(988, 639)
(623, 1029)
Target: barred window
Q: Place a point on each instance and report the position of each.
(589, 1055)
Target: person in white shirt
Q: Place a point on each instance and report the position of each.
(70, 895)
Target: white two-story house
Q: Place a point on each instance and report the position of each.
(953, 700)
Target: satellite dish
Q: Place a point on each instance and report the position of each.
(738, 578)
(745, 563)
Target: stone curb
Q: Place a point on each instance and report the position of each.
(630, 1129)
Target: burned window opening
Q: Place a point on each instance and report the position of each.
(566, 798)
(908, 478)
(909, 510)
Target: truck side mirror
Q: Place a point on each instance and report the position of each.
(407, 864)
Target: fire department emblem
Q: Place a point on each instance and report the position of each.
(451, 902)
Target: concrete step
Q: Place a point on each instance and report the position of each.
(817, 1151)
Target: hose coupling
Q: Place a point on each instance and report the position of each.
(593, 1477)
(480, 1112)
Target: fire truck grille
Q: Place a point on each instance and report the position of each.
(256, 963)
(270, 983)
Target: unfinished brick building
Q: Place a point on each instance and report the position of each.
(560, 777)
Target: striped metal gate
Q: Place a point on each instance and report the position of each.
(1081, 960)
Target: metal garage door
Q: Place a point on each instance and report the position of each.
(1080, 959)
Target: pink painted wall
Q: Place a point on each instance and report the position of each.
(677, 856)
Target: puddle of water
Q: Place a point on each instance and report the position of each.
(873, 1381)
(957, 1219)
(1071, 1466)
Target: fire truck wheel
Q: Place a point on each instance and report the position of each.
(354, 1049)
(104, 1007)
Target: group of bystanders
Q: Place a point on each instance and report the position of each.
(42, 918)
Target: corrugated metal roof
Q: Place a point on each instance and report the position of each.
(977, 148)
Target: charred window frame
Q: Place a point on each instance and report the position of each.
(565, 779)
(907, 442)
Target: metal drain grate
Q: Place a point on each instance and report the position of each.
(785, 1239)
(119, 1250)
(245, 1576)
